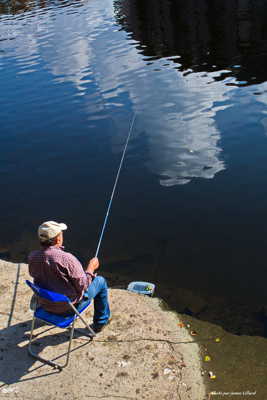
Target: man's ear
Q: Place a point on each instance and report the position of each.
(57, 239)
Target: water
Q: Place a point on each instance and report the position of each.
(191, 206)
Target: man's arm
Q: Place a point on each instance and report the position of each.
(79, 278)
(92, 266)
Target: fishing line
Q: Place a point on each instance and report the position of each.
(114, 187)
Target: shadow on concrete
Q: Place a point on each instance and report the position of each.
(14, 296)
(16, 363)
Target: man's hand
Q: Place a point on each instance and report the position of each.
(92, 265)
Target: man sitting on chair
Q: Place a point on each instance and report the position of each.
(54, 269)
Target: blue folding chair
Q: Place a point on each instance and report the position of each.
(56, 319)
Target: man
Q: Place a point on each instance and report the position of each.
(54, 269)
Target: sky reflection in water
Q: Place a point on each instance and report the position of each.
(72, 79)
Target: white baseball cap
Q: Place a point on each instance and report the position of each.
(50, 229)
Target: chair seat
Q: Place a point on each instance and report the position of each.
(59, 320)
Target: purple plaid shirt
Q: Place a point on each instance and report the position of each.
(54, 269)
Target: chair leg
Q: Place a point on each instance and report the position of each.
(49, 362)
(31, 335)
(69, 347)
(35, 355)
(44, 360)
(92, 332)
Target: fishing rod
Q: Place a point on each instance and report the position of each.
(115, 185)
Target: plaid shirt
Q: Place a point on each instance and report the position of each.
(54, 269)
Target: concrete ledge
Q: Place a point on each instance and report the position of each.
(142, 354)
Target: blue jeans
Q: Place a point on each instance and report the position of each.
(98, 290)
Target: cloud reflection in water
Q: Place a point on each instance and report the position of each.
(177, 112)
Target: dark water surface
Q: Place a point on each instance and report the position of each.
(191, 208)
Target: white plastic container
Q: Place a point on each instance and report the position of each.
(145, 288)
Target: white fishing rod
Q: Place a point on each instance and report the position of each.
(114, 187)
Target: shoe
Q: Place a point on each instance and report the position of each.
(99, 327)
